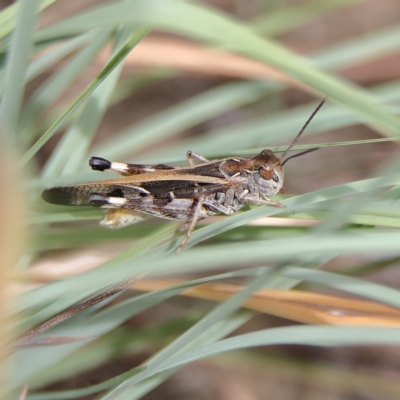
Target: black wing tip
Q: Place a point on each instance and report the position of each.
(99, 164)
(47, 195)
(52, 195)
(63, 196)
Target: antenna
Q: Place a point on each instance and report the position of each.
(302, 130)
(299, 154)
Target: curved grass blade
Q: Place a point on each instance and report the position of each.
(49, 91)
(131, 43)
(299, 335)
(69, 154)
(360, 49)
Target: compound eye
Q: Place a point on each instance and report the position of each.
(267, 172)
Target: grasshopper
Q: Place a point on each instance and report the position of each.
(187, 194)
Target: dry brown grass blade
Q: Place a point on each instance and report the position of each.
(187, 56)
(305, 307)
(27, 339)
(54, 341)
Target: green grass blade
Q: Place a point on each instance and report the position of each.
(299, 335)
(282, 20)
(71, 151)
(17, 61)
(360, 49)
(50, 57)
(44, 61)
(140, 33)
(48, 92)
(8, 16)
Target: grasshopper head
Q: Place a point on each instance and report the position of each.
(268, 173)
